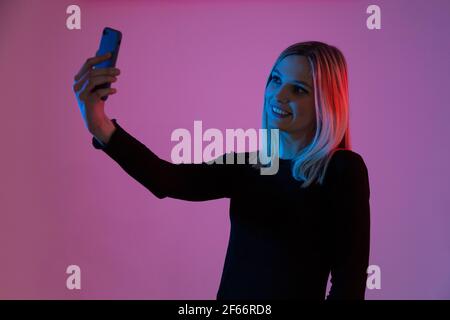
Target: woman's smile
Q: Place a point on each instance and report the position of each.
(280, 113)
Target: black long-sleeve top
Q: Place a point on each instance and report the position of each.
(284, 240)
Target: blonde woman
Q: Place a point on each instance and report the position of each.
(290, 230)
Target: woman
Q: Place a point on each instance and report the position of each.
(289, 230)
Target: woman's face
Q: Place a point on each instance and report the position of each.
(291, 89)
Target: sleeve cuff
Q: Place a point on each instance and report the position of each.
(97, 144)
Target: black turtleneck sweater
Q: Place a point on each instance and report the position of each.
(284, 240)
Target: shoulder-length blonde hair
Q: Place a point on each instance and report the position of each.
(329, 72)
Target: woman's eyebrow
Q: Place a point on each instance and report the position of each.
(296, 81)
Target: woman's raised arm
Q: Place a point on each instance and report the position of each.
(193, 182)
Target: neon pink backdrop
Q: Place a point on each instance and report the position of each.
(63, 202)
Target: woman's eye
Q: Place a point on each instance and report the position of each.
(275, 78)
(301, 90)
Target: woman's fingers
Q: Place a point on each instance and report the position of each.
(90, 84)
(105, 92)
(105, 71)
(95, 81)
(78, 85)
(89, 77)
(90, 63)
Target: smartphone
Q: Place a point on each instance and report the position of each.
(109, 42)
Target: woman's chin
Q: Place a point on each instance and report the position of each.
(280, 124)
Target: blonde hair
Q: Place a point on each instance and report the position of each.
(329, 72)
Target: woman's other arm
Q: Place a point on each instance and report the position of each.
(347, 183)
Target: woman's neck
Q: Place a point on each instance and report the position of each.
(291, 145)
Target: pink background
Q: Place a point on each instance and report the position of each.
(62, 202)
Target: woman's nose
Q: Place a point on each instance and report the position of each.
(282, 95)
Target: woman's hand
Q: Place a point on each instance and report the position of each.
(91, 105)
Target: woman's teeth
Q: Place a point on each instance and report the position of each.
(280, 112)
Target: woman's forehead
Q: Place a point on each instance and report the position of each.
(295, 67)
